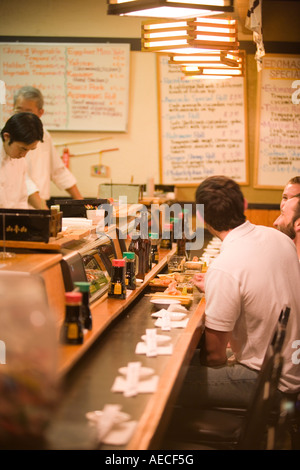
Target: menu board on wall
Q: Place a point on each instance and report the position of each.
(278, 124)
(202, 127)
(85, 86)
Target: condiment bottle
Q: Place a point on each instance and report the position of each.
(167, 237)
(145, 241)
(138, 247)
(84, 288)
(117, 288)
(72, 329)
(154, 256)
(181, 239)
(130, 271)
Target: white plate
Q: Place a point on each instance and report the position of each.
(212, 251)
(164, 301)
(159, 338)
(144, 371)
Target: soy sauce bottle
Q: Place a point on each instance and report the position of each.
(154, 256)
(84, 288)
(145, 241)
(137, 246)
(130, 279)
(167, 237)
(181, 240)
(72, 328)
(117, 288)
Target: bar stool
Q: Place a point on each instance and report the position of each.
(217, 429)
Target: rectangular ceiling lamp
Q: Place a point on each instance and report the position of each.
(217, 59)
(190, 36)
(169, 8)
(191, 71)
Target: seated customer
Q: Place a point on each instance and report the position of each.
(289, 220)
(255, 276)
(21, 133)
(291, 190)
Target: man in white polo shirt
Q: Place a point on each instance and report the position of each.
(255, 276)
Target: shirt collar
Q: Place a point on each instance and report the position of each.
(237, 232)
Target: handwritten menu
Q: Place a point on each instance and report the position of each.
(202, 127)
(85, 86)
(278, 149)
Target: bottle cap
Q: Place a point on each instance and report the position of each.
(73, 297)
(154, 235)
(83, 286)
(128, 255)
(118, 262)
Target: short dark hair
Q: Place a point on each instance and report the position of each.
(223, 202)
(294, 180)
(23, 127)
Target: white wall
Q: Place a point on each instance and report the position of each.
(138, 156)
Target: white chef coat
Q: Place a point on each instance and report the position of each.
(13, 188)
(45, 165)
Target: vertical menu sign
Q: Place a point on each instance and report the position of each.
(85, 87)
(278, 131)
(202, 127)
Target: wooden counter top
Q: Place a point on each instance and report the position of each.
(30, 263)
(88, 385)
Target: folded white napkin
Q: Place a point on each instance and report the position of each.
(177, 308)
(173, 324)
(112, 426)
(141, 348)
(151, 342)
(143, 386)
(174, 315)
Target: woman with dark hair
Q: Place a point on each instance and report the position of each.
(21, 133)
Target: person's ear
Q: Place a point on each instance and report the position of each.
(297, 225)
(41, 112)
(6, 136)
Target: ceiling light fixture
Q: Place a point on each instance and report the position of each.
(190, 36)
(169, 8)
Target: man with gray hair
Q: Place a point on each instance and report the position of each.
(44, 164)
